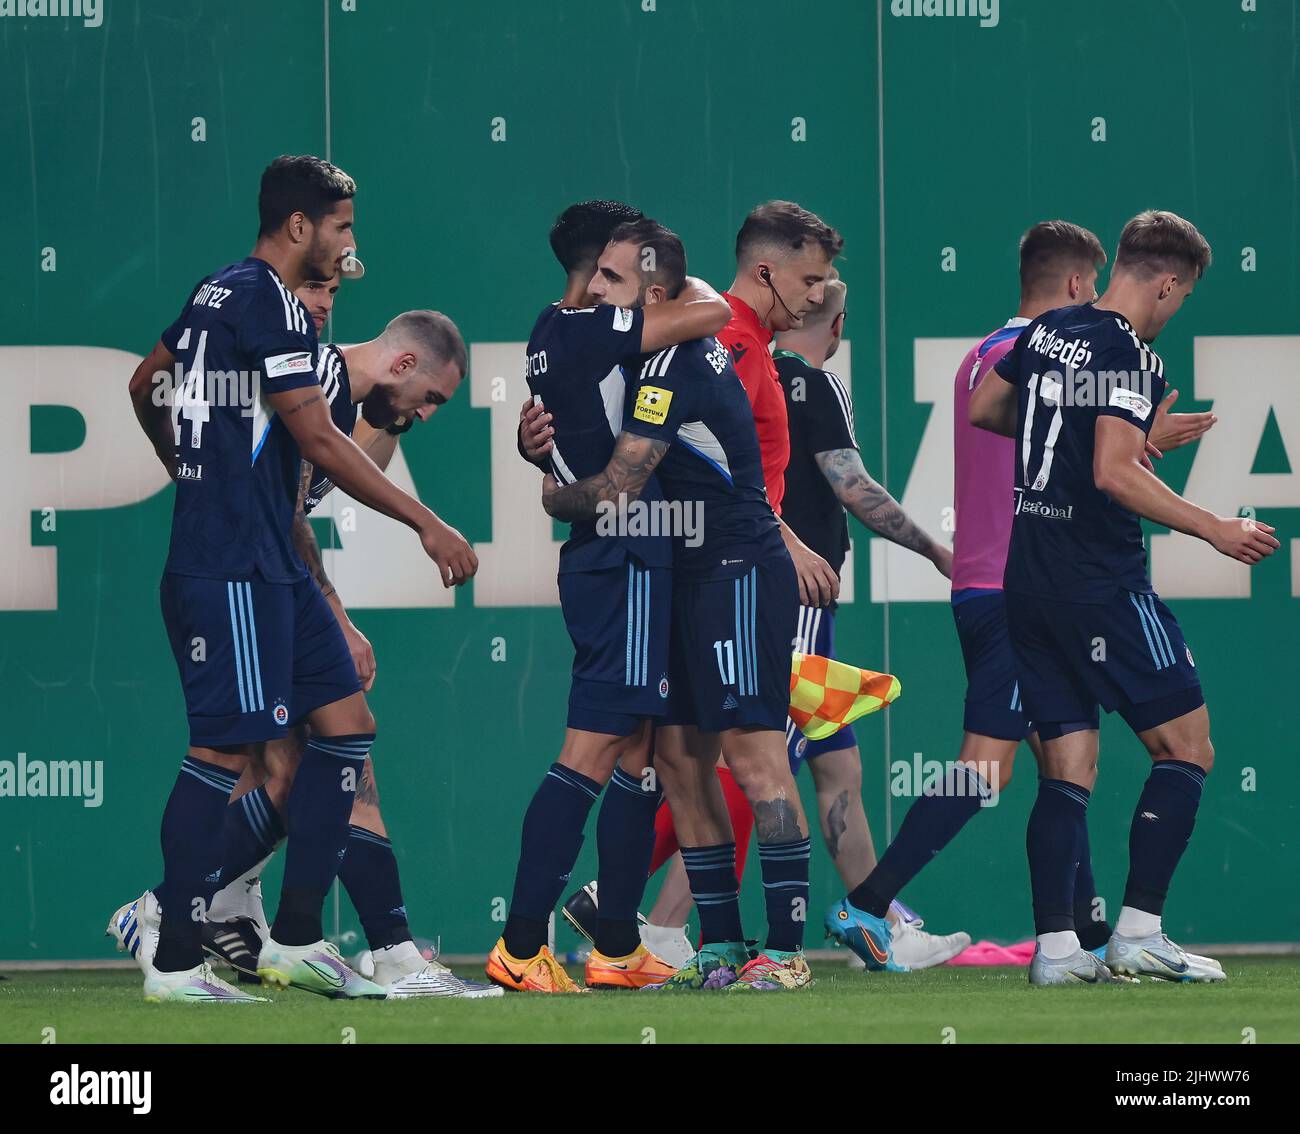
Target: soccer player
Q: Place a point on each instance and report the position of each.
(1079, 391)
(734, 600)
(256, 645)
(824, 480)
(615, 592)
(400, 377)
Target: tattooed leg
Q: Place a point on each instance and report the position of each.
(838, 779)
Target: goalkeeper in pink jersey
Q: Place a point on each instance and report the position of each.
(1059, 264)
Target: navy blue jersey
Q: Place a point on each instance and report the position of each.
(241, 336)
(332, 372)
(691, 397)
(573, 365)
(1070, 541)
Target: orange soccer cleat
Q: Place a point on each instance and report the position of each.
(638, 969)
(542, 973)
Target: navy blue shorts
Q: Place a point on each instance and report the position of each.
(993, 703)
(731, 645)
(1126, 655)
(619, 620)
(815, 634)
(254, 658)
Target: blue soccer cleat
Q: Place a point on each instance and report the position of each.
(867, 935)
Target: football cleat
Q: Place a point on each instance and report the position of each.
(236, 943)
(1156, 956)
(135, 928)
(638, 969)
(713, 967)
(542, 973)
(917, 950)
(669, 943)
(242, 898)
(870, 937)
(774, 970)
(194, 986)
(317, 968)
(1080, 967)
(582, 910)
(405, 972)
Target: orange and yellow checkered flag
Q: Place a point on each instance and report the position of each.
(826, 695)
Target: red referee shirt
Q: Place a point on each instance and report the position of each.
(747, 340)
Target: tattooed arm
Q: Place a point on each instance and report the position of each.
(625, 476)
(875, 508)
(308, 547)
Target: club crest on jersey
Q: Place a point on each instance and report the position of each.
(652, 404)
(663, 686)
(1188, 650)
(280, 713)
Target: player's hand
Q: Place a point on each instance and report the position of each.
(1242, 538)
(942, 560)
(535, 431)
(818, 583)
(1172, 430)
(550, 486)
(363, 656)
(450, 551)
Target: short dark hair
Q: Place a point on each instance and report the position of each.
(300, 183)
(581, 232)
(1050, 247)
(1156, 242)
(666, 264)
(434, 333)
(783, 225)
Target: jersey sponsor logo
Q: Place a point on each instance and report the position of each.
(1041, 509)
(738, 352)
(1135, 403)
(187, 471)
(652, 404)
(622, 319)
(283, 365)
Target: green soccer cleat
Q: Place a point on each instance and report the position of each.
(713, 967)
(314, 968)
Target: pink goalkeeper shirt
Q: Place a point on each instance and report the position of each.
(984, 473)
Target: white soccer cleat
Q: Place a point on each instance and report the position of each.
(1156, 956)
(314, 968)
(669, 943)
(403, 971)
(918, 950)
(135, 928)
(242, 899)
(194, 986)
(1080, 967)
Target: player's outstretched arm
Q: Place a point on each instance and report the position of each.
(993, 405)
(305, 414)
(818, 583)
(697, 312)
(151, 408)
(621, 481)
(308, 548)
(875, 509)
(1118, 470)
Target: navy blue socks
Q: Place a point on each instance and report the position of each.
(625, 840)
(1054, 839)
(1162, 825)
(785, 890)
(712, 874)
(369, 875)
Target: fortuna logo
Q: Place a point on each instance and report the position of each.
(102, 1088)
(1049, 344)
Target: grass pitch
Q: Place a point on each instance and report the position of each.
(979, 1005)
